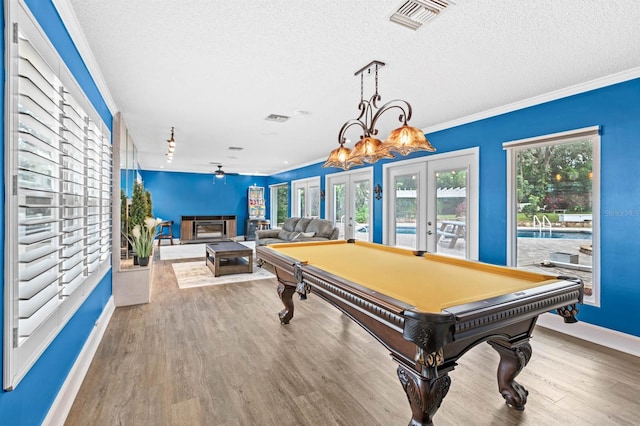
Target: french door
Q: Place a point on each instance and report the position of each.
(349, 204)
(432, 204)
(306, 197)
(406, 224)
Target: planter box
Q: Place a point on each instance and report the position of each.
(557, 256)
(132, 286)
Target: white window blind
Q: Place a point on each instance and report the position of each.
(59, 226)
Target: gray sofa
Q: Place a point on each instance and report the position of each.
(296, 229)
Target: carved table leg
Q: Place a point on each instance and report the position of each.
(425, 395)
(286, 295)
(512, 361)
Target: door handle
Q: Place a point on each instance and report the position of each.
(429, 232)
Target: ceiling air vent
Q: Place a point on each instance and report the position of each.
(277, 118)
(235, 148)
(413, 13)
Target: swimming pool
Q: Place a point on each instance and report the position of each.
(405, 230)
(579, 235)
(399, 229)
(567, 235)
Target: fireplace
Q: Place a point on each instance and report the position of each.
(205, 228)
(208, 229)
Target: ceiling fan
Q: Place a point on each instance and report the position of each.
(221, 173)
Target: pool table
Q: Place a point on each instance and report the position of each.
(426, 309)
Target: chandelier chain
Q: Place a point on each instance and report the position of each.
(376, 94)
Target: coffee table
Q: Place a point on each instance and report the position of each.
(229, 257)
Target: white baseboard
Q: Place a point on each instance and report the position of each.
(592, 333)
(64, 400)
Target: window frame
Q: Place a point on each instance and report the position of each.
(273, 209)
(576, 135)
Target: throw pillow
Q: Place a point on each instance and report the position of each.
(307, 234)
(294, 236)
(286, 235)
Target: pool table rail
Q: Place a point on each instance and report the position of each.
(501, 311)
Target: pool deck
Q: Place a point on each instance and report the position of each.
(532, 252)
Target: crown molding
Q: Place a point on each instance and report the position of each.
(70, 21)
(597, 83)
(576, 89)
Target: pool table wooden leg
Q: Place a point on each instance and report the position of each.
(286, 295)
(424, 395)
(513, 358)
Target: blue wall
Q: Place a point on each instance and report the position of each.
(188, 194)
(616, 109)
(29, 403)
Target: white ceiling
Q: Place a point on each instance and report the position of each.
(215, 69)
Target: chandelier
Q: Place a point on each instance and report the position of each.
(171, 148)
(369, 149)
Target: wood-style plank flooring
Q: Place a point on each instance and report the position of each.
(219, 356)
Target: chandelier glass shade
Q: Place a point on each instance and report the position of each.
(406, 140)
(341, 157)
(369, 148)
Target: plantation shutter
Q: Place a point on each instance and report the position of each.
(59, 213)
(39, 165)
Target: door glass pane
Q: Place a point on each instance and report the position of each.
(362, 202)
(554, 191)
(339, 203)
(405, 210)
(300, 199)
(451, 212)
(314, 201)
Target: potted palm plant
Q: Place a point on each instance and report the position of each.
(141, 239)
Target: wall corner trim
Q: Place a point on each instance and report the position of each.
(67, 394)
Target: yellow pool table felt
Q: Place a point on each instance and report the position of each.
(431, 283)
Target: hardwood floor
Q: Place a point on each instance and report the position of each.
(219, 356)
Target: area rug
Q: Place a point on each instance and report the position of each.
(197, 274)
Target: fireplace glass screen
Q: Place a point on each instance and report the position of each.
(209, 229)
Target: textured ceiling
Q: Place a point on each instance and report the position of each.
(215, 69)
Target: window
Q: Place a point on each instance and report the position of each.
(279, 204)
(59, 214)
(553, 205)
